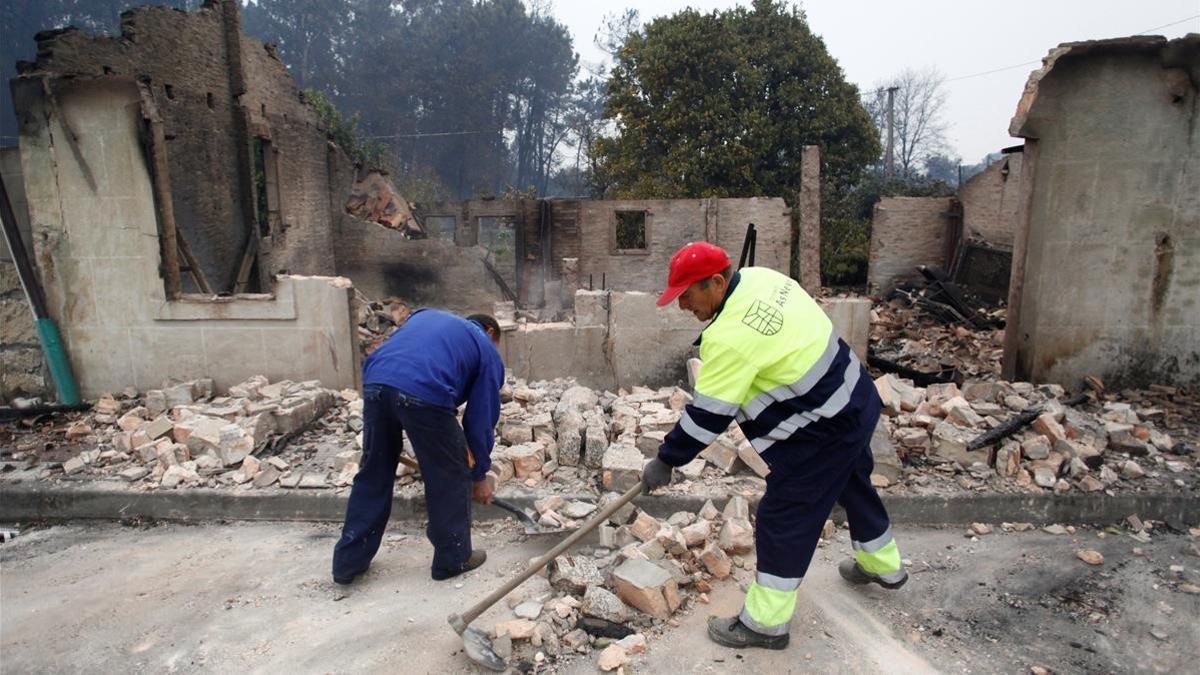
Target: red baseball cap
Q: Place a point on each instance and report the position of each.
(695, 261)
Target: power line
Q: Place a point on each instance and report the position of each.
(1030, 63)
(439, 133)
(1168, 25)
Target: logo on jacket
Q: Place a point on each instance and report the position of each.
(763, 318)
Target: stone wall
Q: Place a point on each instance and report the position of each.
(1106, 264)
(906, 232)
(989, 201)
(98, 258)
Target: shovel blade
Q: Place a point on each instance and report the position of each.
(478, 647)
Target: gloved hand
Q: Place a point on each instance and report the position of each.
(656, 474)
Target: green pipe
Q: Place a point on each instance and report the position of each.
(60, 366)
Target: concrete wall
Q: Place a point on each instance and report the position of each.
(98, 258)
(1106, 270)
(989, 201)
(22, 371)
(621, 339)
(906, 232)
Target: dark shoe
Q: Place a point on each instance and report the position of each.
(347, 579)
(854, 573)
(476, 559)
(731, 632)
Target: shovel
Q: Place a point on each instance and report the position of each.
(531, 526)
(476, 643)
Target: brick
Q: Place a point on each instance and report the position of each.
(715, 561)
(645, 527)
(723, 454)
(737, 507)
(736, 536)
(648, 587)
(160, 426)
(1046, 425)
(527, 459)
(1036, 447)
(696, 533)
(517, 629)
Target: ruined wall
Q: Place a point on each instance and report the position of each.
(22, 371)
(670, 223)
(906, 232)
(621, 339)
(989, 201)
(217, 90)
(182, 56)
(1106, 276)
(98, 258)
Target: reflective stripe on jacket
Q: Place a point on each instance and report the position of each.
(773, 361)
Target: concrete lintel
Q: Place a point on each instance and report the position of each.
(277, 306)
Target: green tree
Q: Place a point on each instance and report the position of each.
(722, 104)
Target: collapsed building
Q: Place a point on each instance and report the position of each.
(189, 217)
(1089, 229)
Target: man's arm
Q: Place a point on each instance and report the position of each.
(724, 379)
(483, 411)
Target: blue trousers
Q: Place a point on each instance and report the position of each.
(441, 448)
(802, 488)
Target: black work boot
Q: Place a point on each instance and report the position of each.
(854, 573)
(476, 559)
(731, 632)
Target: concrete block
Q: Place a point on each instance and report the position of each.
(574, 574)
(621, 467)
(650, 441)
(648, 587)
(603, 604)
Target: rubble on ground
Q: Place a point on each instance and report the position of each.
(910, 337)
(559, 438)
(378, 319)
(1101, 443)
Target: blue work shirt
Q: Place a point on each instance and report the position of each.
(445, 360)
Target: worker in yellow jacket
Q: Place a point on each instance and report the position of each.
(773, 361)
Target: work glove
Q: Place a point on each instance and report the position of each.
(656, 474)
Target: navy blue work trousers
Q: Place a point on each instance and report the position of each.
(801, 491)
(441, 448)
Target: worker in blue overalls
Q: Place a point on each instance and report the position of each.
(773, 361)
(414, 383)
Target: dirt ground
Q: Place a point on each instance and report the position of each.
(256, 597)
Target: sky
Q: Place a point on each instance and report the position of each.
(873, 40)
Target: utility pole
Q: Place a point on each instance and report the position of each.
(891, 109)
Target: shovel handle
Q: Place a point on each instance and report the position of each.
(482, 606)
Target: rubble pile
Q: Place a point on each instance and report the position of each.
(560, 438)
(184, 436)
(644, 573)
(1063, 448)
(561, 430)
(378, 319)
(909, 336)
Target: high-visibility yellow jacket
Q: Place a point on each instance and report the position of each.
(773, 361)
